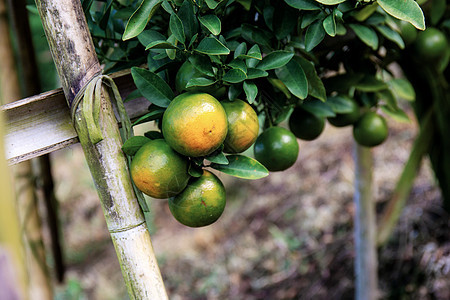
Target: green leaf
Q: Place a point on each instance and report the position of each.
(309, 18)
(284, 20)
(133, 144)
(202, 63)
(212, 23)
(251, 91)
(238, 64)
(366, 34)
(234, 76)
(388, 98)
(329, 24)
(212, 46)
(152, 87)
(303, 4)
(188, 18)
(139, 19)
(280, 86)
(133, 95)
(242, 167)
(437, 11)
(245, 3)
(406, 10)
(318, 108)
(241, 49)
(195, 170)
(391, 35)
(330, 2)
(171, 53)
(257, 35)
(150, 116)
(402, 88)
(200, 81)
(370, 84)
(148, 36)
(293, 76)
(234, 91)
(314, 35)
(253, 73)
(396, 114)
(253, 52)
(177, 28)
(160, 45)
(212, 4)
(275, 59)
(343, 82)
(340, 104)
(218, 157)
(315, 85)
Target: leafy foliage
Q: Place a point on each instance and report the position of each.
(275, 54)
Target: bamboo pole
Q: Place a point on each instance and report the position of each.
(12, 263)
(32, 86)
(366, 264)
(74, 56)
(38, 282)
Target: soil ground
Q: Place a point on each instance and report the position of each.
(287, 236)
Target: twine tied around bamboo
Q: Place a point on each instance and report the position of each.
(90, 98)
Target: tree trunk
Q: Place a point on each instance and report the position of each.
(366, 264)
(74, 56)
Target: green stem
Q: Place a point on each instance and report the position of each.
(393, 210)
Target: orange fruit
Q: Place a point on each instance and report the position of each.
(431, 44)
(158, 171)
(243, 126)
(195, 124)
(370, 130)
(201, 203)
(276, 148)
(305, 125)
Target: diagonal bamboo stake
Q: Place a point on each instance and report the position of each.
(38, 280)
(74, 56)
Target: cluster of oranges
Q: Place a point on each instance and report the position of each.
(194, 125)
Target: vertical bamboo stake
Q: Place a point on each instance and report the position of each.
(12, 263)
(76, 62)
(37, 273)
(31, 85)
(366, 287)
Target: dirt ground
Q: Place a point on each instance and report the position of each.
(287, 236)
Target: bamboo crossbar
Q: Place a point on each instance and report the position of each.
(41, 124)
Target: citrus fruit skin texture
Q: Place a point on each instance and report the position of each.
(201, 203)
(158, 171)
(243, 126)
(370, 130)
(305, 125)
(194, 124)
(344, 119)
(186, 72)
(276, 148)
(431, 44)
